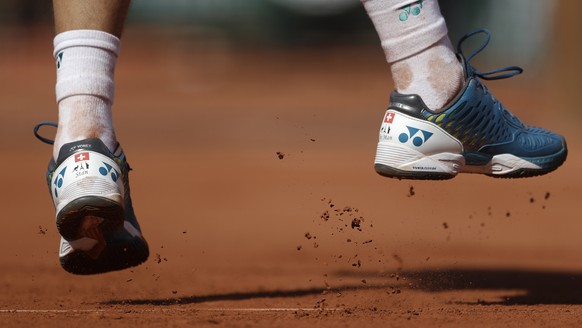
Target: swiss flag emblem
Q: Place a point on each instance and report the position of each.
(389, 117)
(81, 157)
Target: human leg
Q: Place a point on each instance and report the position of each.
(88, 174)
(442, 120)
(86, 49)
(417, 47)
(103, 15)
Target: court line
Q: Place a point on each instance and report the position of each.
(48, 311)
(267, 309)
(168, 310)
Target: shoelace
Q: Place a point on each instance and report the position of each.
(41, 138)
(496, 74)
(52, 142)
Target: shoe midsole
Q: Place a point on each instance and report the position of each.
(405, 159)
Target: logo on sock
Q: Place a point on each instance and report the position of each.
(414, 136)
(413, 9)
(59, 59)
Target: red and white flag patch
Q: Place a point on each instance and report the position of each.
(389, 117)
(81, 157)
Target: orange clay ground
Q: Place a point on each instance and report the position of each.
(242, 237)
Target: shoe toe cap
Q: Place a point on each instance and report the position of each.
(530, 142)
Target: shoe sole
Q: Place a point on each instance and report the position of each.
(114, 257)
(446, 166)
(89, 215)
(390, 172)
(550, 163)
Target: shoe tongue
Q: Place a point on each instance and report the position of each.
(467, 73)
(92, 144)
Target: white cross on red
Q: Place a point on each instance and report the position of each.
(389, 117)
(81, 157)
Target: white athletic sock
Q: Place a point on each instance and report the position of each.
(415, 40)
(85, 89)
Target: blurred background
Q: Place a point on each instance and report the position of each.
(524, 30)
(540, 35)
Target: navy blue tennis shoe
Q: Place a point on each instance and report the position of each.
(473, 134)
(89, 186)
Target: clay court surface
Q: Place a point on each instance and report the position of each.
(240, 237)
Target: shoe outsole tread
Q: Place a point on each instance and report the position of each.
(115, 257)
(71, 217)
(391, 172)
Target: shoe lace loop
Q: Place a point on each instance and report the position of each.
(496, 74)
(41, 138)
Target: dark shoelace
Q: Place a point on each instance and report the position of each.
(496, 74)
(41, 138)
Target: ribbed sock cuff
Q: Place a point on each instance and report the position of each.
(406, 27)
(85, 63)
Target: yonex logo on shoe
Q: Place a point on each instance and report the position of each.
(414, 136)
(59, 181)
(413, 9)
(109, 170)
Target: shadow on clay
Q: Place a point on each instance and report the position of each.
(536, 287)
(292, 293)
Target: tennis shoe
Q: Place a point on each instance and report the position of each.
(89, 186)
(475, 133)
